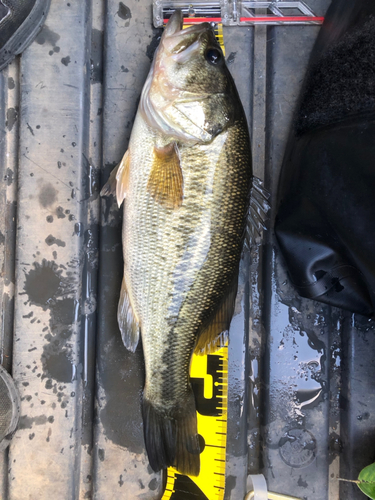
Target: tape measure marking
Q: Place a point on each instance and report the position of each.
(212, 429)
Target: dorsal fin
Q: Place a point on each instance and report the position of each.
(258, 210)
(215, 335)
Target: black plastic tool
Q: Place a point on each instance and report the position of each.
(326, 203)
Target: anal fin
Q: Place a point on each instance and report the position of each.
(165, 183)
(127, 321)
(214, 336)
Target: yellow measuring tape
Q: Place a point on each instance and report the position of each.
(219, 36)
(209, 379)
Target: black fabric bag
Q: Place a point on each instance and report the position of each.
(325, 223)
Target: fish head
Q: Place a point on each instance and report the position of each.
(189, 91)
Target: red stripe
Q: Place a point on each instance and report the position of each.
(284, 19)
(196, 20)
(255, 20)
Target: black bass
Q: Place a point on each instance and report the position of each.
(186, 180)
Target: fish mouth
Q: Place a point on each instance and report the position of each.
(176, 39)
(176, 23)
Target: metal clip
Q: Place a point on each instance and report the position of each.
(191, 11)
(259, 492)
(236, 12)
(271, 496)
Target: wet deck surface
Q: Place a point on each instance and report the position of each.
(301, 406)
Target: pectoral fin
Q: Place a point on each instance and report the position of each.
(215, 335)
(127, 320)
(165, 183)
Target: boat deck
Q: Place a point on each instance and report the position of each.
(301, 374)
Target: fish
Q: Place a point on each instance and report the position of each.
(186, 182)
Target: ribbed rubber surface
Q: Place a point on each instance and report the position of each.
(9, 408)
(5, 409)
(20, 26)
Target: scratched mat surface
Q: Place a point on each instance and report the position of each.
(300, 375)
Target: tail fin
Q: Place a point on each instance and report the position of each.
(171, 436)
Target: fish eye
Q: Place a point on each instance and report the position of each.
(213, 56)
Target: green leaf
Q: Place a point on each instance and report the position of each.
(366, 480)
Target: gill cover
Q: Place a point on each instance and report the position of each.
(185, 96)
